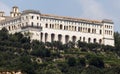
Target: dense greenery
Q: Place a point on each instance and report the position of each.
(18, 52)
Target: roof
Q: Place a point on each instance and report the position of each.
(72, 19)
(8, 18)
(15, 7)
(30, 11)
(107, 21)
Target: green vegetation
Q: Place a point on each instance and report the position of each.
(18, 52)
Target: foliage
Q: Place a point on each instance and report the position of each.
(96, 61)
(71, 61)
(18, 52)
(82, 61)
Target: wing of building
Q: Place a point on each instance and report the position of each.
(48, 28)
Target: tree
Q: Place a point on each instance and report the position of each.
(4, 34)
(71, 44)
(117, 41)
(82, 62)
(41, 53)
(81, 44)
(96, 61)
(26, 65)
(71, 61)
(93, 46)
(92, 70)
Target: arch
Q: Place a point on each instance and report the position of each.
(80, 38)
(32, 23)
(46, 25)
(60, 37)
(94, 40)
(69, 27)
(100, 31)
(74, 39)
(89, 30)
(41, 36)
(14, 27)
(64, 27)
(50, 26)
(61, 26)
(100, 41)
(83, 39)
(89, 40)
(78, 28)
(72, 28)
(75, 28)
(52, 37)
(9, 28)
(46, 37)
(67, 38)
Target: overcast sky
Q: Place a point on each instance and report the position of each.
(91, 9)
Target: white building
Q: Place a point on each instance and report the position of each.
(47, 28)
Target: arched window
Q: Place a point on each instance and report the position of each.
(83, 39)
(32, 17)
(66, 38)
(94, 40)
(46, 25)
(80, 38)
(100, 41)
(61, 26)
(100, 31)
(41, 36)
(75, 28)
(78, 28)
(74, 39)
(32, 23)
(46, 37)
(89, 40)
(60, 37)
(52, 37)
(89, 30)
(9, 28)
(50, 25)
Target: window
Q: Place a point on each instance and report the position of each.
(46, 25)
(100, 31)
(26, 17)
(26, 23)
(83, 39)
(37, 17)
(60, 26)
(50, 25)
(32, 23)
(94, 40)
(37, 24)
(89, 30)
(32, 17)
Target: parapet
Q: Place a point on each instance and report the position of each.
(107, 21)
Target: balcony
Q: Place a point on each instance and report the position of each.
(34, 28)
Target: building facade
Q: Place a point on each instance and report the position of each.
(48, 28)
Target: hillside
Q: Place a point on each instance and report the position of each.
(19, 53)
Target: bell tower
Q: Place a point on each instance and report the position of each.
(2, 14)
(15, 12)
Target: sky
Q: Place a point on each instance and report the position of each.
(90, 9)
